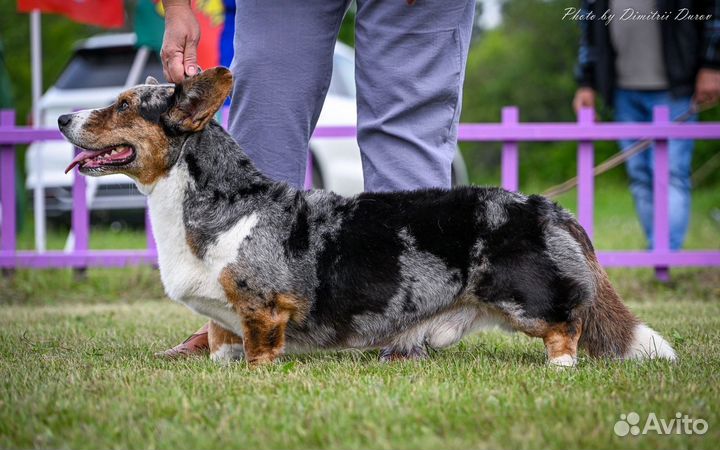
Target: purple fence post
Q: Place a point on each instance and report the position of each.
(510, 153)
(586, 180)
(7, 187)
(80, 214)
(309, 172)
(661, 199)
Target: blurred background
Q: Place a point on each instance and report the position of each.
(522, 54)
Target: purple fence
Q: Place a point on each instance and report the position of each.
(509, 132)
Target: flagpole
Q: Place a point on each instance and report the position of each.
(39, 192)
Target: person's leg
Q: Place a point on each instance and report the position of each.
(281, 73)
(281, 69)
(410, 64)
(630, 106)
(680, 152)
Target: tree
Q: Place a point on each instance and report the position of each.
(527, 61)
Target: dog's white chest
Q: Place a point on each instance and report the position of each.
(186, 278)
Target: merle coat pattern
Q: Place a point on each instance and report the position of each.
(280, 269)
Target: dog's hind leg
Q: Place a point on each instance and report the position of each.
(225, 345)
(561, 343)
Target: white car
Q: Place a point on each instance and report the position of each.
(103, 66)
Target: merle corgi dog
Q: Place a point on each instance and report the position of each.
(279, 269)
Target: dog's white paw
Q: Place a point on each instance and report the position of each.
(228, 353)
(563, 361)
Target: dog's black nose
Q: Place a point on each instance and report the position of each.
(64, 120)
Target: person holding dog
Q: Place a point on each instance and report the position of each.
(638, 64)
(410, 65)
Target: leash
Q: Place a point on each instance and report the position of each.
(626, 153)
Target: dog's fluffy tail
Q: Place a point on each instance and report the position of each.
(609, 329)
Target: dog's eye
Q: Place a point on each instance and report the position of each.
(123, 106)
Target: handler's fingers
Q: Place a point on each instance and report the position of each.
(190, 57)
(175, 68)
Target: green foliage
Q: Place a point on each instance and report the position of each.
(347, 29)
(528, 61)
(704, 150)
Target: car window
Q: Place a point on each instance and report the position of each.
(105, 67)
(93, 68)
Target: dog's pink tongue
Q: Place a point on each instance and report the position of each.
(124, 152)
(81, 156)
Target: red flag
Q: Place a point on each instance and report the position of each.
(103, 13)
(211, 17)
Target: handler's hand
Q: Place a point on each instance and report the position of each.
(179, 48)
(707, 86)
(584, 98)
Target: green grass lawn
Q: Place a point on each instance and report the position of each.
(83, 376)
(77, 370)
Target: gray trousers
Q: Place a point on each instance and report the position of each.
(410, 62)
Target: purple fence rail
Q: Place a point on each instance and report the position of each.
(510, 132)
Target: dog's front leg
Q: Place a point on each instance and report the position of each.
(264, 334)
(225, 346)
(264, 318)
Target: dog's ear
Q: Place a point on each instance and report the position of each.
(198, 98)
(151, 80)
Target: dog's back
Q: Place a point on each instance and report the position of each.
(409, 269)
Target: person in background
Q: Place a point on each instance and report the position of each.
(638, 64)
(410, 65)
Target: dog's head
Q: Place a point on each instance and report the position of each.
(136, 135)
